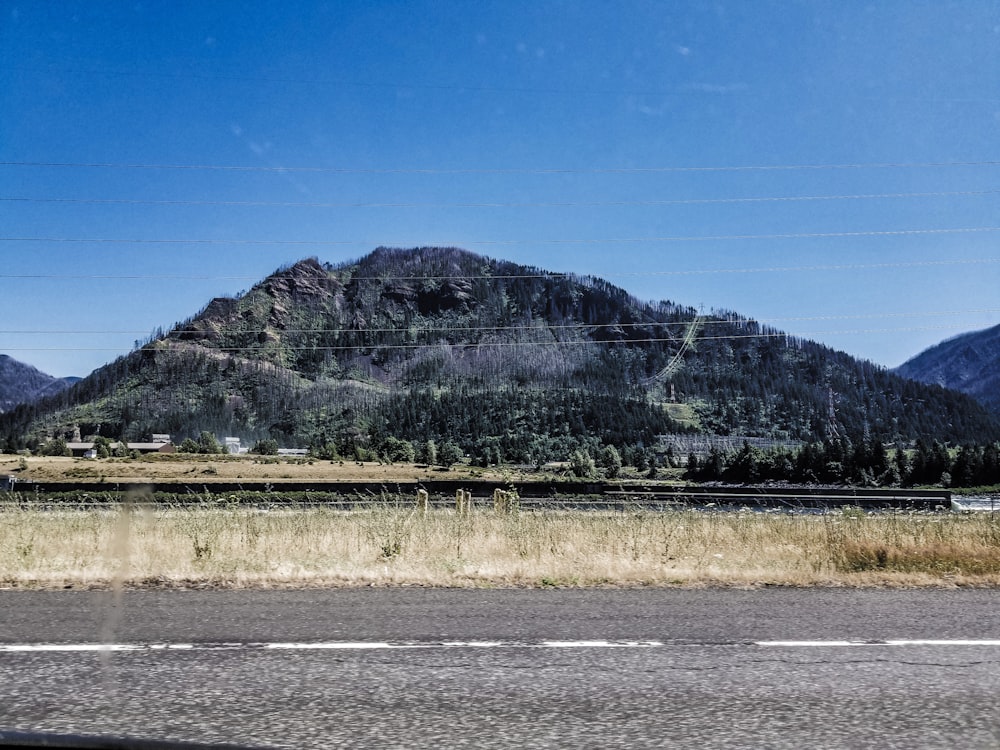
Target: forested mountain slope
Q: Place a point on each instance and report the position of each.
(442, 344)
(969, 363)
(21, 383)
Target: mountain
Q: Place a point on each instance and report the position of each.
(500, 359)
(969, 363)
(21, 383)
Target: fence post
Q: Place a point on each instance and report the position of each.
(463, 502)
(505, 501)
(423, 501)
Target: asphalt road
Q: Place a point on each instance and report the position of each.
(451, 668)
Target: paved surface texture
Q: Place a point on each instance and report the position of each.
(709, 681)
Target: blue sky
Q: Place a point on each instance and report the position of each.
(588, 128)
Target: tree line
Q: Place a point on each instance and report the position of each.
(867, 463)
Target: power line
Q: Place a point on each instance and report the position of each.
(683, 90)
(501, 170)
(508, 344)
(497, 204)
(540, 327)
(686, 89)
(578, 241)
(484, 277)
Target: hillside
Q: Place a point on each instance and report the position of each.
(969, 363)
(503, 360)
(21, 383)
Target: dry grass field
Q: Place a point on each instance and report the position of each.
(208, 469)
(215, 544)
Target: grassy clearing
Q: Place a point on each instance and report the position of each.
(683, 414)
(385, 544)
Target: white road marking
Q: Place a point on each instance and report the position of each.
(345, 645)
(16, 648)
(946, 642)
(316, 645)
(598, 644)
(889, 642)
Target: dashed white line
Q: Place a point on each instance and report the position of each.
(598, 644)
(344, 645)
(888, 642)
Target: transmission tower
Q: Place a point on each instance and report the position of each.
(831, 416)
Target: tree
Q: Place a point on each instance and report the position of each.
(654, 464)
(902, 464)
(326, 451)
(55, 447)
(779, 465)
(693, 469)
(102, 446)
(714, 465)
(449, 454)
(265, 447)
(487, 452)
(745, 466)
(581, 464)
(611, 461)
(428, 453)
(394, 450)
(187, 446)
(208, 443)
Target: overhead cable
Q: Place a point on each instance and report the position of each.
(486, 277)
(501, 170)
(495, 204)
(577, 241)
(507, 344)
(737, 321)
(687, 89)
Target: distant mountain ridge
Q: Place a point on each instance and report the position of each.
(21, 383)
(501, 359)
(969, 362)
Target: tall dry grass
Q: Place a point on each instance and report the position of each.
(215, 544)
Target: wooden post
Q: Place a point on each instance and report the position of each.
(423, 501)
(463, 502)
(505, 501)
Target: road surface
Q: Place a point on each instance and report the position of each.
(775, 668)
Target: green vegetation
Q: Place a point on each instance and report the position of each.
(867, 464)
(55, 447)
(436, 353)
(266, 447)
(206, 443)
(685, 415)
